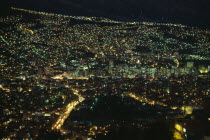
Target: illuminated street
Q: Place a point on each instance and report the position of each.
(59, 123)
(145, 100)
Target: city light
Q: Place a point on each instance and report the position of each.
(78, 77)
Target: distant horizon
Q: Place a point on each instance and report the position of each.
(65, 12)
(189, 12)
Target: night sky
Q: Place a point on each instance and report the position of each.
(181, 11)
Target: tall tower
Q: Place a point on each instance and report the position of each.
(190, 64)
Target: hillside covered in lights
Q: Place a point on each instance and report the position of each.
(53, 64)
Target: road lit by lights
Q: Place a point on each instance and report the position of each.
(4, 40)
(177, 62)
(7, 122)
(26, 30)
(6, 89)
(68, 109)
(145, 100)
(178, 132)
(177, 136)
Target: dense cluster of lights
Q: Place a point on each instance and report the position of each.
(41, 58)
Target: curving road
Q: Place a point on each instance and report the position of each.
(68, 109)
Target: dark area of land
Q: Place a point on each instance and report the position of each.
(116, 108)
(159, 130)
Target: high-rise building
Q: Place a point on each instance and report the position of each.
(203, 69)
(111, 64)
(190, 64)
(152, 72)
